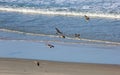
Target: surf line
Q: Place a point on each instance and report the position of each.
(27, 33)
(33, 34)
(63, 13)
(97, 41)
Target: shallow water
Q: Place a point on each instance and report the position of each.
(35, 26)
(61, 52)
(37, 20)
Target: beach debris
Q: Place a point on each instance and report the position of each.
(77, 35)
(37, 63)
(86, 17)
(60, 33)
(50, 46)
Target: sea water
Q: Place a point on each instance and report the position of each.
(36, 20)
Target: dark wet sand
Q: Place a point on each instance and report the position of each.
(10, 66)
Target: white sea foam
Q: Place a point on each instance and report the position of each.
(56, 1)
(96, 6)
(64, 13)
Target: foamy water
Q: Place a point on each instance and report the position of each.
(64, 13)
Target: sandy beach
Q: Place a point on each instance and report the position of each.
(29, 67)
(59, 37)
(17, 59)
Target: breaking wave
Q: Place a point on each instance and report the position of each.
(63, 13)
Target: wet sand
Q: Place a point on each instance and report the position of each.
(61, 52)
(9, 66)
(13, 52)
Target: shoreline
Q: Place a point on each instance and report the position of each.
(52, 61)
(92, 41)
(61, 52)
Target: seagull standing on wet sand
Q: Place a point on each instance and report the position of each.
(58, 31)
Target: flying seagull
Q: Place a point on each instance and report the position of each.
(86, 17)
(50, 46)
(60, 33)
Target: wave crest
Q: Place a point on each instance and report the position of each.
(63, 13)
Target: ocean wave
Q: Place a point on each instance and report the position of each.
(57, 1)
(67, 37)
(64, 13)
(95, 6)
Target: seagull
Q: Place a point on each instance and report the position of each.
(77, 35)
(86, 17)
(58, 31)
(50, 46)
